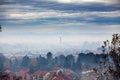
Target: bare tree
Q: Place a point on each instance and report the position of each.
(109, 68)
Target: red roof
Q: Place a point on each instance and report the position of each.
(55, 68)
(40, 72)
(62, 77)
(23, 74)
(69, 71)
(7, 71)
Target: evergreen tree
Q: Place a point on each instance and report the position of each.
(70, 61)
(50, 60)
(78, 63)
(61, 61)
(2, 59)
(42, 63)
(25, 62)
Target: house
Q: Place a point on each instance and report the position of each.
(49, 75)
(8, 74)
(69, 71)
(38, 75)
(58, 75)
(72, 74)
(55, 68)
(23, 74)
(89, 74)
(7, 71)
(61, 77)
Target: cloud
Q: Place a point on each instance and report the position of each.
(30, 11)
(52, 16)
(55, 12)
(9, 0)
(34, 15)
(19, 11)
(101, 1)
(74, 28)
(15, 6)
(85, 1)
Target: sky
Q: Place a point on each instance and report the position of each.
(45, 22)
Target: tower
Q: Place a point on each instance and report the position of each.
(0, 28)
(60, 39)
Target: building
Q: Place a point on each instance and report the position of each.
(58, 75)
(38, 75)
(23, 74)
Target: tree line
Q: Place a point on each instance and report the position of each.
(47, 63)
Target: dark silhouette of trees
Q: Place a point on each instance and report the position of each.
(42, 63)
(14, 63)
(49, 55)
(50, 60)
(25, 62)
(78, 63)
(33, 65)
(2, 59)
(61, 61)
(55, 61)
(70, 61)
